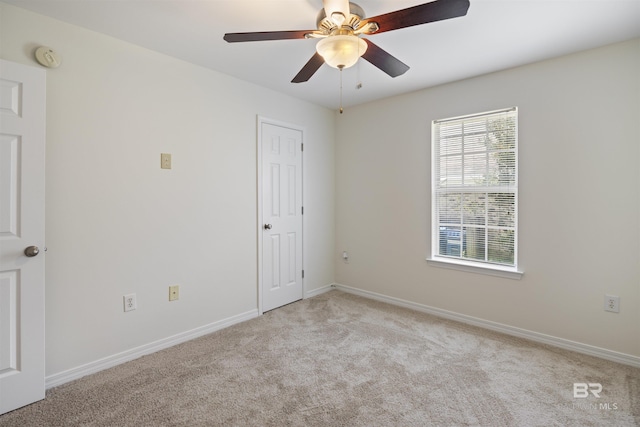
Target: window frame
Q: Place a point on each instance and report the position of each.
(459, 263)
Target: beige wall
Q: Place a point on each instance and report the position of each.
(118, 224)
(579, 130)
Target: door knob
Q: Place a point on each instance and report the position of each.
(31, 251)
(267, 226)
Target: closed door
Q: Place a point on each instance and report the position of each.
(280, 234)
(22, 137)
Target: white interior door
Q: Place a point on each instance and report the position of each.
(280, 234)
(22, 144)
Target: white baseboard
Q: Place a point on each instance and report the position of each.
(578, 347)
(319, 291)
(125, 356)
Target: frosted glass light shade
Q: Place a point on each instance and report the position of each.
(341, 51)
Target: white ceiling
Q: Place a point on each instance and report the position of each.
(494, 35)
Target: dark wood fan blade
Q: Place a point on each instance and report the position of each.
(265, 35)
(384, 60)
(421, 14)
(309, 69)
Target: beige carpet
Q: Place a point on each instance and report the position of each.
(342, 360)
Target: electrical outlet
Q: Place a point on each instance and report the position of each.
(130, 302)
(612, 303)
(174, 292)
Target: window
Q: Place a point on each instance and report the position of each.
(475, 190)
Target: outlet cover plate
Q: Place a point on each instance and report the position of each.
(612, 303)
(129, 302)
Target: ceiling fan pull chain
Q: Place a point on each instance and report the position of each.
(341, 68)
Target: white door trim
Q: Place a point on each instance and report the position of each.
(260, 121)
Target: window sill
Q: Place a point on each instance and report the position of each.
(491, 270)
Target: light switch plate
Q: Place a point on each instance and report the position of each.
(165, 160)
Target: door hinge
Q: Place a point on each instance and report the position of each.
(301, 147)
(303, 274)
(302, 210)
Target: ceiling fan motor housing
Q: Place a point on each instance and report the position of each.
(326, 24)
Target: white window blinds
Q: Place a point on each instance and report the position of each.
(475, 187)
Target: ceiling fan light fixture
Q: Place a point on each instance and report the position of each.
(341, 51)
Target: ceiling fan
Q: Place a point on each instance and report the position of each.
(341, 23)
